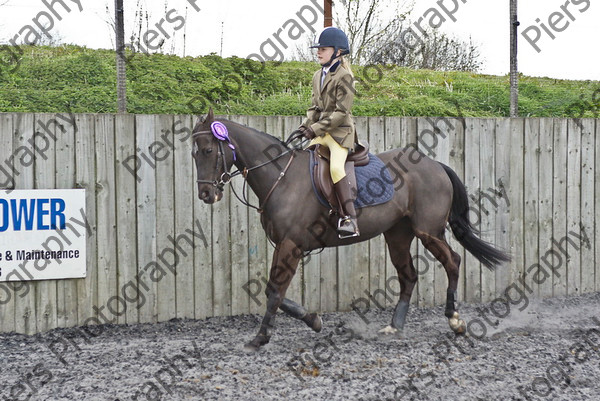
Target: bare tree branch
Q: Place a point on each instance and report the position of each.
(377, 34)
(434, 50)
(363, 23)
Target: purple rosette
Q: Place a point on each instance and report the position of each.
(220, 132)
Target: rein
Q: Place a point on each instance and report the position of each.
(226, 177)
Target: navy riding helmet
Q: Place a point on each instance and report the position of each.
(332, 37)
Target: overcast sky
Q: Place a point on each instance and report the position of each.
(566, 35)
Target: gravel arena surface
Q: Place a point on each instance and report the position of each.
(549, 350)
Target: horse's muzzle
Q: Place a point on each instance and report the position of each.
(209, 195)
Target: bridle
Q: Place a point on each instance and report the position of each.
(225, 177)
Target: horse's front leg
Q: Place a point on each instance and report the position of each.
(297, 311)
(285, 261)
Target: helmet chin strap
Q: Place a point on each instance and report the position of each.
(333, 57)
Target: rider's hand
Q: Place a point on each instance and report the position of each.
(308, 132)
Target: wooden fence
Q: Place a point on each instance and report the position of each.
(533, 184)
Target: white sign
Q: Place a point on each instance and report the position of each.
(43, 234)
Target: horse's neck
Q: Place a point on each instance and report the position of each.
(254, 149)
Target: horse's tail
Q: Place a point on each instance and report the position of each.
(464, 231)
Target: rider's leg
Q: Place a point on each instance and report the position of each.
(347, 226)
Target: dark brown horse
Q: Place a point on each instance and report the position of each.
(427, 196)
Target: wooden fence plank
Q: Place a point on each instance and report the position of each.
(8, 294)
(546, 171)
(106, 217)
(126, 159)
(587, 215)
(597, 206)
(531, 201)
(184, 217)
(45, 165)
(85, 162)
(559, 204)
(146, 221)
(66, 291)
(515, 195)
(329, 288)
(473, 283)
(25, 305)
(162, 154)
(312, 276)
(573, 206)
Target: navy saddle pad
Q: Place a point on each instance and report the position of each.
(373, 181)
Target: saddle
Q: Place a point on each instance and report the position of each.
(322, 176)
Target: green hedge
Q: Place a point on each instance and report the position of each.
(55, 79)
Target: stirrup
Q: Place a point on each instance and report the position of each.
(347, 232)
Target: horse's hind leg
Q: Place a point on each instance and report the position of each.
(451, 262)
(398, 239)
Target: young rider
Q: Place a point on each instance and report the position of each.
(329, 119)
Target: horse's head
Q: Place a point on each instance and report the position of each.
(212, 161)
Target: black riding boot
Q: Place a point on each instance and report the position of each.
(347, 224)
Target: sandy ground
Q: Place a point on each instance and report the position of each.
(550, 350)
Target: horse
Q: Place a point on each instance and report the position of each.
(428, 196)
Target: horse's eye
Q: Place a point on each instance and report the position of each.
(208, 150)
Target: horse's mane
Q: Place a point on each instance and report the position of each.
(258, 132)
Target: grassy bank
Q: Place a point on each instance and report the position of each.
(54, 79)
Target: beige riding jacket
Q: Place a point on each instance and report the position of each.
(331, 109)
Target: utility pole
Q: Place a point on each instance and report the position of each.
(185, 30)
(514, 72)
(328, 13)
(121, 75)
(222, 29)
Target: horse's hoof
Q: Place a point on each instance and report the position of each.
(256, 343)
(250, 348)
(457, 325)
(389, 330)
(315, 322)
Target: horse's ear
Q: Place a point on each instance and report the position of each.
(210, 116)
(207, 119)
